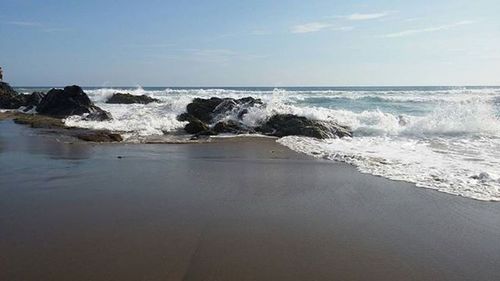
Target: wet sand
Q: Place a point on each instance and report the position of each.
(229, 210)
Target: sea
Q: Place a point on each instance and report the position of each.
(442, 138)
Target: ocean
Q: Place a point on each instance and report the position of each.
(442, 138)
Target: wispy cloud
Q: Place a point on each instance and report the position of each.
(372, 16)
(24, 23)
(342, 28)
(36, 25)
(410, 32)
(310, 27)
(332, 22)
(318, 26)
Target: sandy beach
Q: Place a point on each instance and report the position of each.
(233, 209)
(250, 140)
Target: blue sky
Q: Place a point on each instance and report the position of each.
(250, 43)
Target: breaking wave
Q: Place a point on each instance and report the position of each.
(446, 139)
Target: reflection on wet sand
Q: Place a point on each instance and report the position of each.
(15, 138)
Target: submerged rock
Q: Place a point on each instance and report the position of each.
(10, 99)
(71, 100)
(39, 121)
(100, 136)
(56, 126)
(281, 125)
(120, 98)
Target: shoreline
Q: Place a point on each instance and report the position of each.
(52, 126)
(230, 210)
(57, 127)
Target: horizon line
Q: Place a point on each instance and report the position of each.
(296, 86)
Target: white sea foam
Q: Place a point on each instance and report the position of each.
(453, 149)
(466, 168)
(137, 120)
(448, 139)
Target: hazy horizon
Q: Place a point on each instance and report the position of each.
(242, 44)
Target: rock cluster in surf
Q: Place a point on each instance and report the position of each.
(207, 117)
(204, 117)
(58, 103)
(54, 106)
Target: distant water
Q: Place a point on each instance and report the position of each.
(444, 138)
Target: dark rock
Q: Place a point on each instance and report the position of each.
(195, 126)
(69, 101)
(100, 136)
(281, 125)
(209, 110)
(238, 107)
(202, 113)
(249, 101)
(120, 98)
(242, 113)
(202, 109)
(203, 134)
(98, 115)
(226, 127)
(207, 133)
(226, 106)
(10, 99)
(185, 117)
(232, 127)
(34, 99)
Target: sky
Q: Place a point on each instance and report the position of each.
(250, 43)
